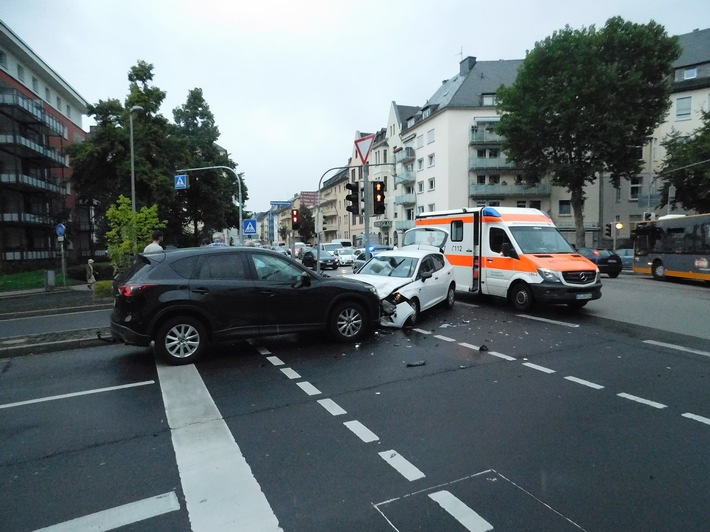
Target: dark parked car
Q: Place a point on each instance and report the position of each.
(627, 257)
(606, 260)
(327, 259)
(189, 298)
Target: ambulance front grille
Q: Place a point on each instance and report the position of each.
(580, 277)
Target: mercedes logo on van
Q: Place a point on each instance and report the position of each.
(583, 277)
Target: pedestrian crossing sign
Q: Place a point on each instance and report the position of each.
(181, 182)
(249, 227)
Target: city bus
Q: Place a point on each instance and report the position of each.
(673, 246)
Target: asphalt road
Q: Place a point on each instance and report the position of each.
(563, 421)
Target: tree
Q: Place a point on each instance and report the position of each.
(686, 167)
(129, 231)
(584, 101)
(308, 226)
(209, 201)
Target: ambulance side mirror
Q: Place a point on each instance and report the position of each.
(508, 251)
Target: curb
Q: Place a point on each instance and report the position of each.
(45, 343)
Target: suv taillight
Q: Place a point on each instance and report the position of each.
(133, 290)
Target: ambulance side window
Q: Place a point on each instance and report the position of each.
(497, 237)
(457, 231)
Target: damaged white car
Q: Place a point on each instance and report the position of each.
(409, 280)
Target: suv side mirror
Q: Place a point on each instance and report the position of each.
(303, 280)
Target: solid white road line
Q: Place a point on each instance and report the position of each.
(678, 347)
(276, 361)
(696, 418)
(459, 511)
(539, 368)
(641, 400)
(554, 322)
(308, 388)
(121, 515)
(220, 490)
(76, 394)
(403, 467)
(332, 407)
(585, 383)
(361, 431)
(291, 374)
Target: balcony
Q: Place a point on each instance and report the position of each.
(509, 191)
(483, 135)
(28, 148)
(26, 217)
(491, 163)
(405, 178)
(31, 182)
(403, 225)
(405, 199)
(405, 155)
(25, 108)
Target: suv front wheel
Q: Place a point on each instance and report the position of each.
(181, 340)
(348, 322)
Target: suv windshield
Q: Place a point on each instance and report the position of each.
(540, 239)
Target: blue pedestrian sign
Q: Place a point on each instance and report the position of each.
(180, 182)
(249, 227)
(60, 229)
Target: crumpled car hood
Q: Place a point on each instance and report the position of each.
(384, 285)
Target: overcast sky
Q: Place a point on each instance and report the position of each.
(290, 82)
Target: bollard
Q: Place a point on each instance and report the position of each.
(49, 280)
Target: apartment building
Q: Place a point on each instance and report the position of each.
(40, 114)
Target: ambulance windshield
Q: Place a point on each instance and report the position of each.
(540, 239)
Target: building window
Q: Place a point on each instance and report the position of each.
(535, 204)
(420, 141)
(690, 73)
(426, 113)
(431, 160)
(3, 59)
(480, 203)
(481, 153)
(47, 95)
(682, 108)
(489, 99)
(480, 179)
(565, 208)
(521, 204)
(431, 207)
(493, 179)
(420, 164)
(384, 156)
(493, 153)
(635, 184)
(35, 84)
(432, 183)
(59, 104)
(420, 187)
(20, 73)
(430, 137)
(69, 111)
(494, 203)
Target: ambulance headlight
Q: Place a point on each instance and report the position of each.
(553, 276)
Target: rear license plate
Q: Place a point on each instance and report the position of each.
(583, 296)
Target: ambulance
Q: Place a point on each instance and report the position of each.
(509, 252)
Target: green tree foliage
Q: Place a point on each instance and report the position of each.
(129, 232)
(686, 167)
(210, 199)
(102, 163)
(584, 101)
(308, 225)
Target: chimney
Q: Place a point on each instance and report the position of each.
(467, 65)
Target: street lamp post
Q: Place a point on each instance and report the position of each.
(133, 168)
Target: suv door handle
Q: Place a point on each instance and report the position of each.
(200, 290)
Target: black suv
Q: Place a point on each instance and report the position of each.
(188, 298)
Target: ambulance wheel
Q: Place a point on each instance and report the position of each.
(412, 320)
(521, 297)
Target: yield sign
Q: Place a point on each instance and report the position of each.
(364, 145)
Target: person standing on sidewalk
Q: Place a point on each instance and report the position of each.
(155, 244)
(90, 274)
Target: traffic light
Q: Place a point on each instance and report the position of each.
(353, 198)
(378, 197)
(295, 219)
(619, 226)
(608, 230)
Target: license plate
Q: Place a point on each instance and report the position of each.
(584, 296)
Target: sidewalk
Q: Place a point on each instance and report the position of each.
(40, 302)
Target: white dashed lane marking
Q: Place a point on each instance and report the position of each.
(332, 407)
(401, 465)
(585, 383)
(459, 511)
(361, 431)
(641, 400)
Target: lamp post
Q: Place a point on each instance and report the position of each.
(133, 169)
